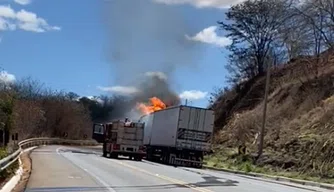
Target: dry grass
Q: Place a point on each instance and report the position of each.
(300, 127)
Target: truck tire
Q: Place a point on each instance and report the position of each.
(138, 158)
(113, 155)
(104, 150)
(149, 154)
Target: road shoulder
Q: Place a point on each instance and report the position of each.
(51, 172)
(277, 178)
(26, 167)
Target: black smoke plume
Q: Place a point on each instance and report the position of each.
(144, 36)
(156, 85)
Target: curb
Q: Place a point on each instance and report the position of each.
(276, 178)
(10, 185)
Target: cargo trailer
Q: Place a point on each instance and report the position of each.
(122, 138)
(179, 135)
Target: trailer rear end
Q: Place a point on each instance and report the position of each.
(125, 139)
(179, 135)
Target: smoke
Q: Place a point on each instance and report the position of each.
(147, 39)
(153, 84)
(156, 85)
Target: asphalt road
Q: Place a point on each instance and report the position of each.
(57, 168)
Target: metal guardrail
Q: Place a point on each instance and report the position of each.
(10, 159)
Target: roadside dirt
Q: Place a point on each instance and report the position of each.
(26, 162)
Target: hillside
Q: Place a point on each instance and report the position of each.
(300, 124)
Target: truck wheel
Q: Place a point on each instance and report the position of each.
(104, 150)
(149, 154)
(130, 157)
(138, 158)
(113, 155)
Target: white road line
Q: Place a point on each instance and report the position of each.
(90, 173)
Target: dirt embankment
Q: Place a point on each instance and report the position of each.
(300, 126)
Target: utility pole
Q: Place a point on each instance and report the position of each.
(264, 115)
(186, 102)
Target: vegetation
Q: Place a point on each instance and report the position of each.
(5, 174)
(296, 40)
(31, 110)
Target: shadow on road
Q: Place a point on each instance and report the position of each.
(209, 181)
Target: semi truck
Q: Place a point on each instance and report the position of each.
(179, 135)
(123, 138)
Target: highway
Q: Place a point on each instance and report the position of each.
(69, 169)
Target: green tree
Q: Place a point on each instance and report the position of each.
(253, 26)
(7, 113)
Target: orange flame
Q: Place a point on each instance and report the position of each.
(155, 105)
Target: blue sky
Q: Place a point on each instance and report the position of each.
(62, 43)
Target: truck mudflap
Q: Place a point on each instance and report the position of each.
(128, 153)
(114, 150)
(187, 162)
(138, 156)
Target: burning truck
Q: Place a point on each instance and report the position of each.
(122, 138)
(177, 135)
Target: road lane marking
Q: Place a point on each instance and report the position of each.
(90, 173)
(175, 181)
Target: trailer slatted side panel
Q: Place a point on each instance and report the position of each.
(129, 135)
(195, 128)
